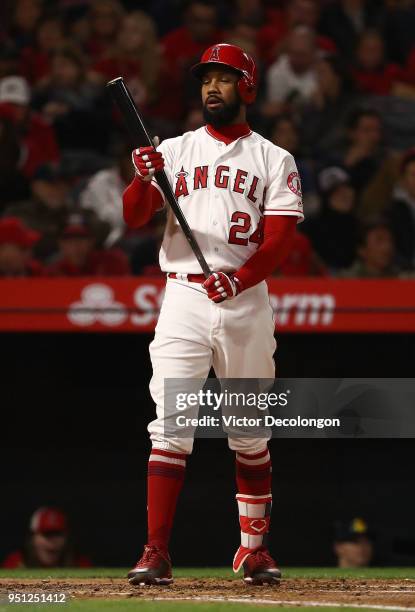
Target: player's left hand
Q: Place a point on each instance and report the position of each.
(221, 286)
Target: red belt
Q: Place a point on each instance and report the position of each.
(190, 278)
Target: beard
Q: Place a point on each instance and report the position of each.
(224, 115)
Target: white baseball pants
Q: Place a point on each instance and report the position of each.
(193, 334)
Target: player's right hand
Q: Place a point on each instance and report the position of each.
(220, 286)
(147, 161)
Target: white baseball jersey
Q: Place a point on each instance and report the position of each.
(224, 192)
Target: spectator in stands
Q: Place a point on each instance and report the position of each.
(333, 231)
(77, 26)
(307, 13)
(252, 11)
(372, 73)
(401, 211)
(399, 28)
(345, 20)
(183, 46)
(136, 56)
(376, 197)
(284, 134)
(324, 117)
(353, 545)
(13, 185)
(47, 544)
(145, 250)
(36, 136)
(291, 80)
(364, 151)
(103, 194)
(47, 208)
(104, 23)
(25, 19)
(302, 259)
(16, 243)
(73, 104)
(272, 36)
(35, 59)
(244, 35)
(271, 24)
(9, 58)
(375, 253)
(79, 256)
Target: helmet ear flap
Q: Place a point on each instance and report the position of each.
(246, 90)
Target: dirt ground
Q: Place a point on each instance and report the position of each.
(339, 591)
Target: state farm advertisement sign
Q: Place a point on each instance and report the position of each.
(132, 304)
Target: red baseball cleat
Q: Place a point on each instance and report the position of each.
(259, 566)
(154, 567)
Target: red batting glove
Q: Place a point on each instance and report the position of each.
(221, 286)
(147, 161)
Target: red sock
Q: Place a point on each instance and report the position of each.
(253, 479)
(253, 473)
(164, 482)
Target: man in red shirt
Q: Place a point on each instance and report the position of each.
(16, 242)
(78, 255)
(199, 29)
(47, 544)
(183, 46)
(373, 74)
(278, 23)
(37, 138)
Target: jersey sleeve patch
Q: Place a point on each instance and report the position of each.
(294, 183)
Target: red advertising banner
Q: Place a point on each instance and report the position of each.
(132, 304)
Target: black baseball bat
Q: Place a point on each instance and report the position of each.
(140, 138)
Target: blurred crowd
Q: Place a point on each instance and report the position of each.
(48, 542)
(337, 90)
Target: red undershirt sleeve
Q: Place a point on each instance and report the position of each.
(279, 231)
(140, 201)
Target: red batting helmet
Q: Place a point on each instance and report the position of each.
(233, 57)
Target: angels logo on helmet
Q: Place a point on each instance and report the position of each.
(214, 56)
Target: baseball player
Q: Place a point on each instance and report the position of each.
(241, 196)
